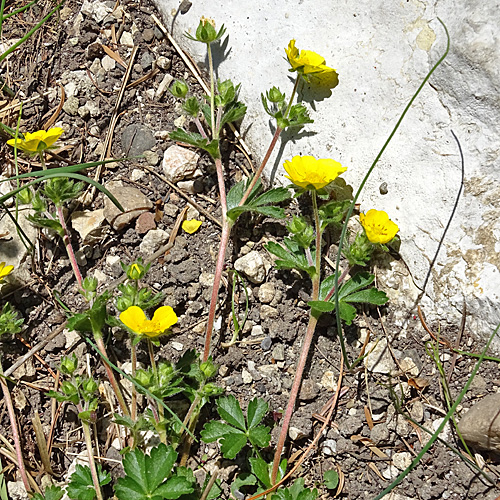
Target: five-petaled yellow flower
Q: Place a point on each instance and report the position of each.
(378, 227)
(5, 270)
(312, 66)
(191, 226)
(135, 319)
(307, 171)
(37, 141)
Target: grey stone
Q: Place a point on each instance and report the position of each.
(163, 86)
(480, 426)
(71, 105)
(253, 266)
(88, 224)
(380, 434)
(17, 491)
(401, 460)
(266, 293)
(148, 34)
(279, 352)
(308, 390)
(147, 60)
(266, 343)
(329, 447)
(108, 63)
(379, 358)
(96, 9)
(151, 158)
(179, 163)
(132, 201)
(152, 241)
(12, 250)
(268, 312)
(137, 138)
(295, 433)
(163, 63)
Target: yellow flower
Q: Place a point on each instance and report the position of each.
(5, 270)
(37, 141)
(191, 226)
(312, 66)
(378, 227)
(305, 171)
(135, 319)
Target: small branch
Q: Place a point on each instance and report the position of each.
(15, 431)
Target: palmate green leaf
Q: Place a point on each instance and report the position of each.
(81, 486)
(275, 212)
(357, 282)
(232, 444)
(257, 408)
(276, 195)
(195, 139)
(260, 436)
(296, 492)
(243, 479)
(43, 222)
(147, 476)
(229, 409)
(321, 306)
(51, 493)
(260, 469)
(369, 296)
(288, 259)
(233, 112)
(215, 430)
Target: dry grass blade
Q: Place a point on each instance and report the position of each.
(371, 446)
(114, 55)
(58, 110)
(374, 468)
(41, 442)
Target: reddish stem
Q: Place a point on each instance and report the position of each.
(261, 168)
(15, 431)
(311, 327)
(69, 247)
(224, 239)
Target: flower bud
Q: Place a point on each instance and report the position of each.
(179, 89)
(69, 364)
(25, 196)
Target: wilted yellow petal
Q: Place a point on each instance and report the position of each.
(191, 226)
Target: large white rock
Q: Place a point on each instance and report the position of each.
(382, 51)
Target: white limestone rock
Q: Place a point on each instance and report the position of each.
(179, 163)
(382, 52)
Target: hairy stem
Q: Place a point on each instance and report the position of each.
(69, 247)
(215, 132)
(15, 430)
(261, 168)
(311, 328)
(111, 376)
(133, 402)
(226, 231)
(200, 128)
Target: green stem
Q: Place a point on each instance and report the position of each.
(90, 451)
(215, 132)
(42, 160)
(111, 376)
(306, 345)
(133, 403)
(161, 430)
(15, 430)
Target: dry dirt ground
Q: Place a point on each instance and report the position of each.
(366, 432)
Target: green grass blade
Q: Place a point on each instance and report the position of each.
(23, 236)
(448, 416)
(15, 12)
(365, 179)
(31, 31)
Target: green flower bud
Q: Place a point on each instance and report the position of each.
(69, 364)
(179, 89)
(38, 203)
(191, 106)
(208, 368)
(69, 389)
(90, 284)
(25, 196)
(89, 386)
(211, 389)
(206, 32)
(123, 303)
(144, 378)
(302, 232)
(8, 320)
(275, 95)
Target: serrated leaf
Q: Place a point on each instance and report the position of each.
(257, 408)
(260, 436)
(51, 493)
(243, 479)
(347, 312)
(235, 195)
(80, 323)
(174, 488)
(276, 195)
(321, 306)
(357, 282)
(275, 212)
(326, 286)
(81, 486)
(147, 476)
(369, 296)
(215, 430)
(232, 444)
(260, 468)
(234, 112)
(229, 409)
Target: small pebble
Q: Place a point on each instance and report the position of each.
(266, 343)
